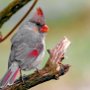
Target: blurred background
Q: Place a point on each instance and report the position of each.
(69, 18)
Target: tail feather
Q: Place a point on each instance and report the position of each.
(10, 75)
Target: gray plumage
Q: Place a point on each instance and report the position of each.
(24, 41)
(27, 49)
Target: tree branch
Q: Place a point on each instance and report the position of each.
(11, 9)
(15, 27)
(52, 70)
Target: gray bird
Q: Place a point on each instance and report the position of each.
(28, 47)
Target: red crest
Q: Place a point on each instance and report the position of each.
(39, 11)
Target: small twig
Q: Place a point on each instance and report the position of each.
(11, 9)
(31, 7)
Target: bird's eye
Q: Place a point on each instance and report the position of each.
(38, 24)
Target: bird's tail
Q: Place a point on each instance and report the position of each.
(10, 75)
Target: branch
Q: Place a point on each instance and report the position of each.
(7, 17)
(52, 70)
(11, 9)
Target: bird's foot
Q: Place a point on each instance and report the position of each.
(22, 79)
(40, 72)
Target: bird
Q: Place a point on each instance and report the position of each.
(27, 47)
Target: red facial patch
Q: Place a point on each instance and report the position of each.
(39, 11)
(34, 53)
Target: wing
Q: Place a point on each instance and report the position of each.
(25, 54)
(26, 28)
(26, 46)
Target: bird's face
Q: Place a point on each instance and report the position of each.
(39, 20)
(42, 28)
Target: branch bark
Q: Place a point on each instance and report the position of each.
(52, 70)
(11, 9)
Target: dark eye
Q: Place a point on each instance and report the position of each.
(38, 24)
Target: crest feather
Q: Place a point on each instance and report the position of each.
(39, 11)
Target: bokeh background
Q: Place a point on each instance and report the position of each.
(69, 18)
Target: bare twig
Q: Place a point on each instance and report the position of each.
(2, 19)
(11, 9)
(52, 70)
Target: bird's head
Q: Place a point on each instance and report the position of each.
(39, 19)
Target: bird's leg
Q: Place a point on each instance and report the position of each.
(21, 76)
